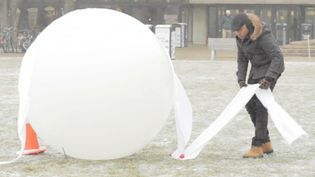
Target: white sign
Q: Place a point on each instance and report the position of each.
(164, 34)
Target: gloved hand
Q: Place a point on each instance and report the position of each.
(264, 84)
(242, 84)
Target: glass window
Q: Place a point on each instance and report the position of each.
(249, 11)
(212, 29)
(281, 15)
(310, 15)
(265, 16)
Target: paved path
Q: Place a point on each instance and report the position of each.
(196, 52)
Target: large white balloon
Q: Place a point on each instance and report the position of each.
(98, 84)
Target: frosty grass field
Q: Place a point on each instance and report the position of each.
(210, 86)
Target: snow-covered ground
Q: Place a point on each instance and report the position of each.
(210, 86)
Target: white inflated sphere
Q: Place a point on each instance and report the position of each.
(98, 84)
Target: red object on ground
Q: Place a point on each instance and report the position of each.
(182, 156)
(31, 145)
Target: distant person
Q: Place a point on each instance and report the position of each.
(257, 45)
(226, 25)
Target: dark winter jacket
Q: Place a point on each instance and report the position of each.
(261, 50)
(226, 22)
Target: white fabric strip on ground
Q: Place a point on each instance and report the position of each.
(229, 112)
(285, 124)
(183, 116)
(23, 90)
(287, 127)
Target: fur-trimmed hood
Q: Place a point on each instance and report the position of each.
(261, 50)
(258, 26)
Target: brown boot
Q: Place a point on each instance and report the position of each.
(254, 152)
(267, 148)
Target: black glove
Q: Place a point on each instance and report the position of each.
(264, 84)
(242, 84)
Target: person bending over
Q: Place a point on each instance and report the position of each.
(256, 44)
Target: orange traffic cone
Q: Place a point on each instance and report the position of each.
(31, 145)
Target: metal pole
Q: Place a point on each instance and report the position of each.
(309, 48)
(284, 33)
(212, 50)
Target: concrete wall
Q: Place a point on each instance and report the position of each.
(251, 2)
(199, 25)
(3, 13)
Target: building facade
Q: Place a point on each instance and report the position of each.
(287, 20)
(32, 14)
